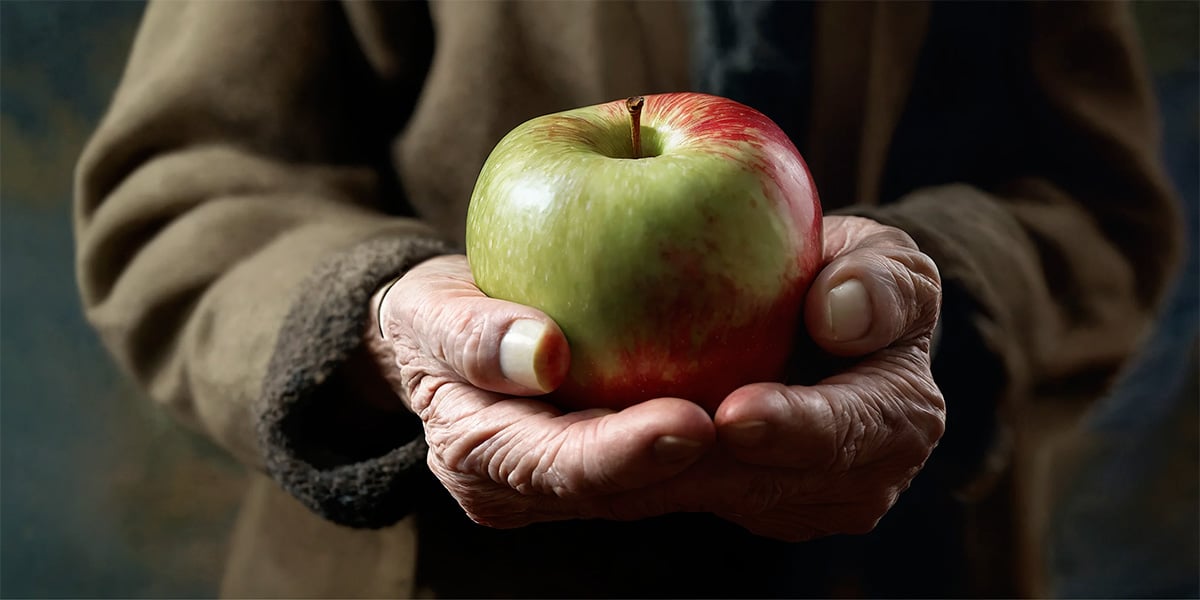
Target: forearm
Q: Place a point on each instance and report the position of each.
(1042, 200)
(222, 177)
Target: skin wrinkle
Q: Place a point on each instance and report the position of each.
(850, 432)
(595, 476)
(559, 484)
(901, 386)
(928, 421)
(464, 330)
(424, 385)
(458, 451)
(469, 333)
(546, 471)
(528, 484)
(537, 473)
(921, 277)
(520, 470)
(830, 414)
(593, 471)
(764, 493)
(496, 458)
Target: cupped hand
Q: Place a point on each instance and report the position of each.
(467, 365)
(833, 457)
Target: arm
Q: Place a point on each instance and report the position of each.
(1061, 236)
(1051, 252)
(232, 222)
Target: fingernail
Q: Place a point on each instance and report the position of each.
(518, 353)
(674, 449)
(748, 433)
(849, 311)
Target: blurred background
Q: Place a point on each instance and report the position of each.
(102, 496)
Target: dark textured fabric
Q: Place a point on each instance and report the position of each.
(967, 84)
(328, 468)
(757, 53)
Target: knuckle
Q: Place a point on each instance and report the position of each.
(421, 383)
(429, 391)
(886, 235)
(541, 473)
(859, 428)
(925, 418)
(919, 286)
(469, 342)
(931, 422)
(923, 267)
(460, 335)
(912, 446)
(462, 442)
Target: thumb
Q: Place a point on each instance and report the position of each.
(492, 344)
(878, 293)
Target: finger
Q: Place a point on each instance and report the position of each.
(633, 448)
(561, 460)
(494, 345)
(776, 425)
(876, 289)
(885, 407)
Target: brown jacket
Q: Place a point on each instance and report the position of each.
(265, 166)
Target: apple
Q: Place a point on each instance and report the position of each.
(671, 237)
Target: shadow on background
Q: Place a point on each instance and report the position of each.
(102, 496)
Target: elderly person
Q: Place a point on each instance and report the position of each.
(270, 177)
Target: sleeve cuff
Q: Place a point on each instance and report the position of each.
(351, 467)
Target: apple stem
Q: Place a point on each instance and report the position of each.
(634, 104)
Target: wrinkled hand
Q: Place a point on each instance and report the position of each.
(463, 363)
(792, 462)
(833, 457)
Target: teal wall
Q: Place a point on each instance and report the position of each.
(102, 496)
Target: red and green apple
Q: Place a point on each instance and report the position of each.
(671, 237)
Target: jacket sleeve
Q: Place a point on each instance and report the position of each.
(234, 212)
(1035, 182)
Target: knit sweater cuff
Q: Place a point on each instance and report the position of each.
(320, 444)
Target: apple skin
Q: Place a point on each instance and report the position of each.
(678, 274)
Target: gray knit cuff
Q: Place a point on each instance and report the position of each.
(350, 475)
